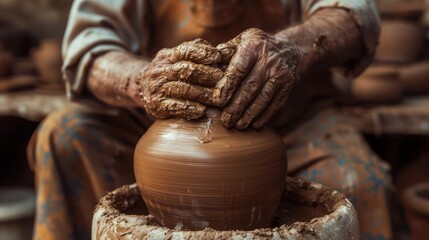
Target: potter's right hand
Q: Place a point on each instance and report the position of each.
(179, 82)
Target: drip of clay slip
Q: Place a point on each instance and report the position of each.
(198, 174)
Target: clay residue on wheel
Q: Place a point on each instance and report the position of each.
(112, 217)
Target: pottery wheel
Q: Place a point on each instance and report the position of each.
(307, 210)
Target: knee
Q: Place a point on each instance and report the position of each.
(58, 131)
(352, 177)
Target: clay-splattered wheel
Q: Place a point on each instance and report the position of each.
(121, 215)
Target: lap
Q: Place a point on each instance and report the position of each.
(329, 149)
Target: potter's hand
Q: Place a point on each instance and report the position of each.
(258, 79)
(179, 82)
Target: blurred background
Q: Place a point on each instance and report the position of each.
(390, 102)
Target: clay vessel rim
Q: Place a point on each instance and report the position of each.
(381, 71)
(341, 210)
(417, 203)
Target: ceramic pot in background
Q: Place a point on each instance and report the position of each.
(414, 77)
(198, 174)
(48, 60)
(400, 41)
(401, 9)
(416, 203)
(378, 84)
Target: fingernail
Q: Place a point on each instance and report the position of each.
(257, 125)
(217, 99)
(226, 120)
(242, 124)
(218, 74)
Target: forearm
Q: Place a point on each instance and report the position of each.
(329, 38)
(113, 77)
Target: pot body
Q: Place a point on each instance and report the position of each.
(416, 203)
(400, 42)
(378, 85)
(414, 77)
(48, 61)
(198, 174)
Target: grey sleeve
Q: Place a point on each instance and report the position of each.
(96, 27)
(366, 15)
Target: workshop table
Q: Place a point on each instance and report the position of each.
(32, 105)
(411, 116)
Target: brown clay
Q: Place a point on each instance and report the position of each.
(416, 203)
(306, 211)
(415, 77)
(258, 79)
(377, 85)
(381, 72)
(400, 41)
(198, 174)
(48, 60)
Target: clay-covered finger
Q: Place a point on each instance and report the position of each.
(200, 41)
(195, 52)
(186, 91)
(194, 73)
(258, 105)
(229, 48)
(167, 108)
(244, 95)
(240, 65)
(163, 55)
(278, 101)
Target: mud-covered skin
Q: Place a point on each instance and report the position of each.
(179, 82)
(263, 67)
(113, 76)
(260, 71)
(257, 80)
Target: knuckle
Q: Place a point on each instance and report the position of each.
(162, 53)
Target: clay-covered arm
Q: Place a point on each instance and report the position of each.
(365, 15)
(113, 78)
(264, 68)
(178, 82)
(97, 27)
(100, 46)
(330, 37)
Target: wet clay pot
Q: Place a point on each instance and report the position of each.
(414, 77)
(198, 174)
(416, 203)
(378, 84)
(306, 211)
(400, 41)
(48, 60)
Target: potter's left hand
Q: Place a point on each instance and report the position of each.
(261, 72)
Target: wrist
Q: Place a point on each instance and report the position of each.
(113, 79)
(302, 53)
(131, 82)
